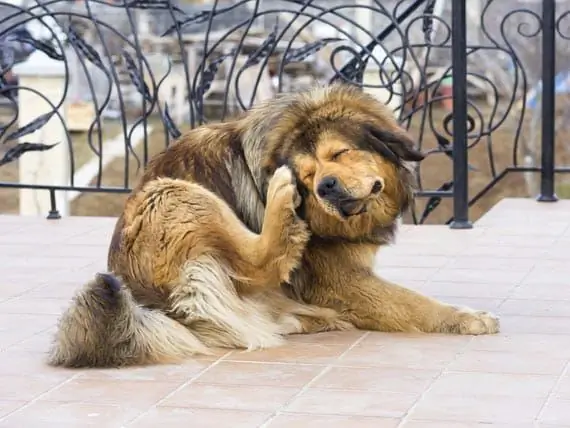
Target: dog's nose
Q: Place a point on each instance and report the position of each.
(377, 186)
(328, 187)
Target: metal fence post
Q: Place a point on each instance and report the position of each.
(459, 75)
(548, 101)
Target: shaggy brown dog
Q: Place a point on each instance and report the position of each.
(246, 231)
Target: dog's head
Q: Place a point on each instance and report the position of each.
(351, 159)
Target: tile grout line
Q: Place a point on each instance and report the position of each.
(324, 371)
(7, 349)
(516, 287)
(47, 282)
(184, 384)
(565, 370)
(39, 396)
(444, 370)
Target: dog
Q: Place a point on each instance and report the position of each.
(244, 232)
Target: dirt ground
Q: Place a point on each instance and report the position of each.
(435, 170)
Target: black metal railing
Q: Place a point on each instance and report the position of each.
(137, 73)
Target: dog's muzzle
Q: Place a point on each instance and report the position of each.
(330, 190)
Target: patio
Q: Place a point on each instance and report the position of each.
(515, 262)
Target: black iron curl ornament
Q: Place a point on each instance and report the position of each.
(158, 67)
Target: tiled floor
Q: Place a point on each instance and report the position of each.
(515, 261)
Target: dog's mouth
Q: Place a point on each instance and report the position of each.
(350, 207)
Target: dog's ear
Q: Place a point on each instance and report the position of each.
(394, 146)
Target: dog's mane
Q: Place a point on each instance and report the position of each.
(251, 146)
(272, 131)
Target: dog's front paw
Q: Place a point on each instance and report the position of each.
(282, 191)
(470, 321)
(289, 233)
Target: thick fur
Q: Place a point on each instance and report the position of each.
(246, 231)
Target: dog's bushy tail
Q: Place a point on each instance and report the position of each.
(105, 327)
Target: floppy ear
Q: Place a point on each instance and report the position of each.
(269, 169)
(395, 146)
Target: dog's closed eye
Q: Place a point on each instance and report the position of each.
(338, 154)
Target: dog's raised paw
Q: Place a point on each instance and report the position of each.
(282, 189)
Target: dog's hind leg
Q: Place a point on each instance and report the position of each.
(190, 221)
(206, 301)
(295, 317)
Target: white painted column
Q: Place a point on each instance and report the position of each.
(363, 16)
(390, 96)
(47, 76)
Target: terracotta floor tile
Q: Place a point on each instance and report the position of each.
(347, 338)
(463, 424)
(251, 398)
(508, 385)
(534, 325)
(557, 252)
(547, 264)
(27, 324)
(508, 362)
(15, 249)
(17, 286)
(129, 393)
(556, 411)
(24, 388)
(562, 390)
(24, 305)
(545, 276)
(502, 251)
(480, 275)
(521, 344)
(9, 406)
(64, 290)
(516, 266)
(262, 374)
(405, 356)
(490, 263)
(542, 292)
(415, 340)
(450, 289)
(477, 408)
(73, 252)
(520, 239)
(428, 261)
(33, 364)
(176, 374)
(421, 249)
(376, 379)
(289, 420)
(358, 403)
(175, 417)
(545, 425)
(535, 308)
(44, 263)
(41, 414)
(37, 343)
(293, 353)
(9, 339)
(33, 237)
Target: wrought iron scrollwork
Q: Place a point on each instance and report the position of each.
(162, 66)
